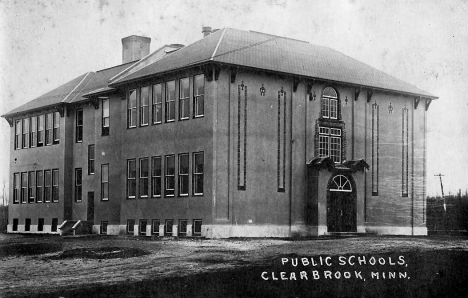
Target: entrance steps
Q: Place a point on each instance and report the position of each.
(75, 227)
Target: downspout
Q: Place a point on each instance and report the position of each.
(412, 169)
(290, 159)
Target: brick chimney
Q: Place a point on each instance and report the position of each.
(134, 48)
(206, 31)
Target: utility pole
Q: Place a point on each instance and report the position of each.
(442, 188)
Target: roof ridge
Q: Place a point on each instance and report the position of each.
(76, 86)
(279, 36)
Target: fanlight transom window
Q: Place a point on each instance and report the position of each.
(329, 103)
(341, 183)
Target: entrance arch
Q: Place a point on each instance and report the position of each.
(341, 203)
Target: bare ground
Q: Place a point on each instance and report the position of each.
(50, 265)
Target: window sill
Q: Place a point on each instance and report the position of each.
(199, 116)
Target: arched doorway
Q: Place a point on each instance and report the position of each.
(341, 204)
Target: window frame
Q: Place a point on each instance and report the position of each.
(27, 224)
(78, 185)
(16, 188)
(182, 228)
(170, 106)
(25, 133)
(141, 223)
(197, 96)
(169, 192)
(31, 187)
(132, 110)
(197, 175)
(33, 131)
(56, 128)
(144, 107)
(105, 182)
(18, 134)
(105, 127)
(330, 136)
(24, 188)
(169, 227)
(39, 186)
(183, 178)
(79, 126)
(142, 179)
(103, 227)
(91, 159)
(329, 104)
(55, 185)
(130, 226)
(155, 176)
(195, 233)
(47, 188)
(40, 224)
(49, 125)
(54, 225)
(40, 130)
(184, 102)
(153, 231)
(131, 179)
(157, 106)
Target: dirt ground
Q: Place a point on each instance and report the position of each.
(51, 266)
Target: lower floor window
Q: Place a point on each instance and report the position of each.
(197, 224)
(182, 228)
(130, 226)
(15, 225)
(330, 143)
(168, 227)
(27, 225)
(54, 224)
(40, 225)
(104, 227)
(155, 227)
(143, 223)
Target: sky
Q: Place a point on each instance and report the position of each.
(46, 43)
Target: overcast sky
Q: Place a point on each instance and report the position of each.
(46, 43)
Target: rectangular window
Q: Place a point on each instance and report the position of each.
(156, 176)
(182, 232)
(47, 185)
(144, 106)
(24, 187)
(168, 227)
(90, 159)
(39, 184)
(27, 225)
(330, 143)
(199, 96)
(31, 187)
(131, 109)
(48, 128)
(15, 224)
(18, 134)
(325, 107)
(170, 101)
(105, 117)
(183, 174)
(131, 178)
(54, 224)
(157, 103)
(404, 153)
(105, 182)
(56, 127)
(40, 130)
(16, 188)
(78, 185)
(130, 226)
(32, 131)
(55, 186)
(79, 126)
(104, 227)
(197, 180)
(169, 176)
(155, 227)
(184, 98)
(25, 138)
(375, 149)
(144, 177)
(197, 224)
(40, 225)
(333, 108)
(142, 227)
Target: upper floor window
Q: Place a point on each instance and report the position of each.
(330, 143)
(17, 134)
(78, 184)
(25, 138)
(48, 128)
(79, 126)
(90, 159)
(32, 131)
(144, 106)
(170, 101)
(55, 185)
(157, 103)
(105, 117)
(329, 103)
(131, 109)
(56, 127)
(40, 130)
(198, 96)
(105, 182)
(184, 99)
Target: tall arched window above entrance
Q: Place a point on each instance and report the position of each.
(341, 183)
(329, 103)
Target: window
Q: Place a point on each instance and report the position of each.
(54, 224)
(144, 106)
(131, 109)
(25, 138)
(79, 126)
(78, 185)
(199, 96)
(341, 183)
(16, 188)
(103, 228)
(183, 174)
(130, 226)
(39, 183)
(170, 101)
(182, 228)
(157, 104)
(144, 176)
(17, 134)
(156, 176)
(48, 128)
(329, 103)
(131, 178)
(155, 227)
(31, 186)
(90, 159)
(170, 176)
(55, 186)
(105, 182)
(197, 224)
(32, 131)
(184, 98)
(47, 184)
(40, 225)
(24, 187)
(15, 224)
(56, 128)
(142, 227)
(40, 130)
(330, 143)
(105, 117)
(27, 225)
(168, 227)
(197, 181)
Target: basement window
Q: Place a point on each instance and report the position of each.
(103, 228)
(142, 227)
(40, 225)
(54, 224)
(130, 226)
(197, 224)
(27, 225)
(155, 227)
(182, 228)
(15, 225)
(168, 227)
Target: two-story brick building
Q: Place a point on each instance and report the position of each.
(238, 134)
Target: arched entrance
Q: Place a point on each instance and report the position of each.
(341, 203)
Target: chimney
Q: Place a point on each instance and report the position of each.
(134, 48)
(206, 31)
